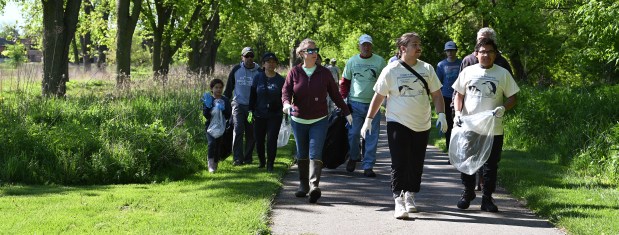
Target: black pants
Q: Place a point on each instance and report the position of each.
(214, 145)
(408, 152)
(489, 169)
(449, 114)
(269, 128)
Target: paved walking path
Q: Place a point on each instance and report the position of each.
(354, 204)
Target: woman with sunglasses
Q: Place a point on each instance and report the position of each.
(304, 97)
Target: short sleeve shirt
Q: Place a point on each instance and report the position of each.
(408, 102)
(485, 89)
(363, 74)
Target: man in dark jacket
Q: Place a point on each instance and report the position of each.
(238, 89)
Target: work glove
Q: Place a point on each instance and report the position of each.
(286, 108)
(366, 128)
(458, 119)
(441, 123)
(499, 111)
(250, 117)
(349, 119)
(208, 100)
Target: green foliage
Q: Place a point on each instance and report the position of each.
(139, 137)
(575, 126)
(16, 53)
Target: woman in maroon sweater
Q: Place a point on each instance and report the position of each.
(304, 96)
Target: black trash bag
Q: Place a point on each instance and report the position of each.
(335, 150)
(225, 141)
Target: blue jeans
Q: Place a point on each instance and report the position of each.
(359, 112)
(310, 138)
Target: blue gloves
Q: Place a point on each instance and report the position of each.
(219, 104)
(207, 98)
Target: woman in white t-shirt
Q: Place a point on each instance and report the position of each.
(408, 118)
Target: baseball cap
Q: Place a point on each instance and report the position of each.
(451, 45)
(246, 51)
(365, 38)
(268, 56)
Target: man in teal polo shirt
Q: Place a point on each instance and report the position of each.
(358, 79)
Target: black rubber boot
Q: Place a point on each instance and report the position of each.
(303, 166)
(315, 171)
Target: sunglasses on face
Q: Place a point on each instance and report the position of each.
(249, 56)
(312, 50)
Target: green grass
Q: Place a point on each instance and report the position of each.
(234, 200)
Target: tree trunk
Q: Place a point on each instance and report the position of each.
(102, 49)
(85, 40)
(127, 19)
(76, 52)
(59, 25)
(204, 49)
(519, 70)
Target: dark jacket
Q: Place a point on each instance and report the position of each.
(265, 100)
(206, 112)
(310, 93)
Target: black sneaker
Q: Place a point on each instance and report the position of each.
(369, 173)
(351, 165)
(487, 204)
(465, 200)
(237, 163)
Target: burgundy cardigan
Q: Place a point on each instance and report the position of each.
(308, 95)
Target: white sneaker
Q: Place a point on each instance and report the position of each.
(400, 211)
(212, 165)
(409, 202)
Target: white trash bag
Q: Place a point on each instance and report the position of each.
(284, 132)
(471, 144)
(218, 124)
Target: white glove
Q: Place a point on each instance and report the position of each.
(442, 122)
(286, 108)
(457, 119)
(499, 111)
(349, 119)
(367, 127)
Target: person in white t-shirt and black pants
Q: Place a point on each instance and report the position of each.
(482, 87)
(408, 115)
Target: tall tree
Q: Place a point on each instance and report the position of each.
(127, 18)
(204, 46)
(171, 23)
(85, 37)
(59, 24)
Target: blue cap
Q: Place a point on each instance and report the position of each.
(451, 45)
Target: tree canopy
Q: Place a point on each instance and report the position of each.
(540, 38)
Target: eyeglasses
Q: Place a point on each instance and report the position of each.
(312, 50)
(249, 56)
(490, 52)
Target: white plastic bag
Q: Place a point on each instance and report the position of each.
(471, 144)
(284, 133)
(218, 124)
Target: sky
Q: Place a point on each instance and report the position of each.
(10, 14)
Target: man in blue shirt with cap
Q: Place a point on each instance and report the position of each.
(447, 71)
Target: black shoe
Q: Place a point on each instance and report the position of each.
(269, 168)
(237, 163)
(248, 162)
(465, 200)
(262, 164)
(351, 165)
(369, 173)
(487, 204)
